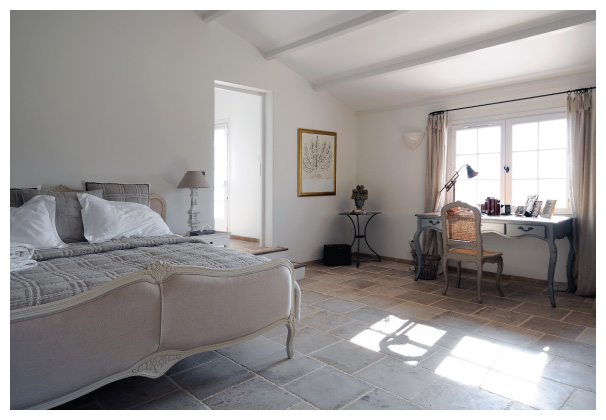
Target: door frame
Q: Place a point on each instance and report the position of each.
(267, 155)
(225, 123)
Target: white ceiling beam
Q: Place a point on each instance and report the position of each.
(210, 15)
(454, 51)
(335, 31)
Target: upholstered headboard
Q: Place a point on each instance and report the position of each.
(158, 205)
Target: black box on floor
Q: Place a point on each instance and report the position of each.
(337, 254)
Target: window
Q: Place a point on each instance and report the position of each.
(514, 158)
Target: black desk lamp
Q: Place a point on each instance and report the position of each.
(451, 183)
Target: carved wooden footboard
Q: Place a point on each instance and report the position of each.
(142, 324)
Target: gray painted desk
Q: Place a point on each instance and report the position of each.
(513, 227)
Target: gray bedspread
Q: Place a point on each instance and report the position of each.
(80, 267)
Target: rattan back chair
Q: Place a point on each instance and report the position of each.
(462, 241)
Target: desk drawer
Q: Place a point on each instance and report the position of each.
(431, 224)
(515, 230)
(488, 227)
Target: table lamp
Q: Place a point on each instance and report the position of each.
(451, 183)
(193, 180)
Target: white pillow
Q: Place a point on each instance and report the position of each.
(34, 223)
(105, 220)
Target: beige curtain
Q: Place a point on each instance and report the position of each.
(435, 171)
(581, 136)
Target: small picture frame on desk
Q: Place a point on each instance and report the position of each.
(520, 211)
(536, 210)
(549, 208)
(530, 204)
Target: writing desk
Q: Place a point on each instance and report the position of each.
(513, 227)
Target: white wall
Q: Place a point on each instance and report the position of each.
(127, 96)
(243, 113)
(395, 175)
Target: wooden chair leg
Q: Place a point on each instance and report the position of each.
(499, 272)
(480, 268)
(458, 274)
(445, 269)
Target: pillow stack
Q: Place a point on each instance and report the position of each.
(68, 216)
(105, 211)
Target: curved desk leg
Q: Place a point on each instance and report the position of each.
(419, 253)
(571, 287)
(553, 254)
(366, 240)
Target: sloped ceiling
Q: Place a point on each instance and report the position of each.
(379, 59)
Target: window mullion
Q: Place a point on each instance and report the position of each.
(507, 161)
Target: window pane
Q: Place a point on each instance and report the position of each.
(465, 191)
(553, 189)
(552, 164)
(523, 165)
(521, 189)
(524, 136)
(489, 166)
(488, 189)
(489, 140)
(552, 134)
(467, 141)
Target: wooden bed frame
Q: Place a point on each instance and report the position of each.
(141, 324)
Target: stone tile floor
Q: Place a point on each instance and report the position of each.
(373, 338)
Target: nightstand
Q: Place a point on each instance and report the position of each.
(220, 239)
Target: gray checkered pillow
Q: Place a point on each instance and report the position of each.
(131, 193)
(68, 213)
(17, 198)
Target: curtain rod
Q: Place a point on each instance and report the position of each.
(514, 100)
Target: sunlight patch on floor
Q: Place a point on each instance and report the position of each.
(424, 334)
(501, 369)
(510, 387)
(462, 371)
(369, 339)
(475, 350)
(399, 336)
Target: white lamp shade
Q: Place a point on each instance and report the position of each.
(193, 179)
(413, 139)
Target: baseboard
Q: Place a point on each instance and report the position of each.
(489, 274)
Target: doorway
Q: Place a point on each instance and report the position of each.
(238, 166)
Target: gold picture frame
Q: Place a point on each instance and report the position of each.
(549, 208)
(317, 162)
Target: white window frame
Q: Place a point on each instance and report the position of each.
(505, 122)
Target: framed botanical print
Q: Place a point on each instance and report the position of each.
(317, 163)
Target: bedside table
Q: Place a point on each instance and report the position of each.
(220, 239)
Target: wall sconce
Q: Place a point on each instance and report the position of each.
(413, 138)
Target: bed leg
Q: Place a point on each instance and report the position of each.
(290, 338)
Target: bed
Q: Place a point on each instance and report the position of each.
(91, 314)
